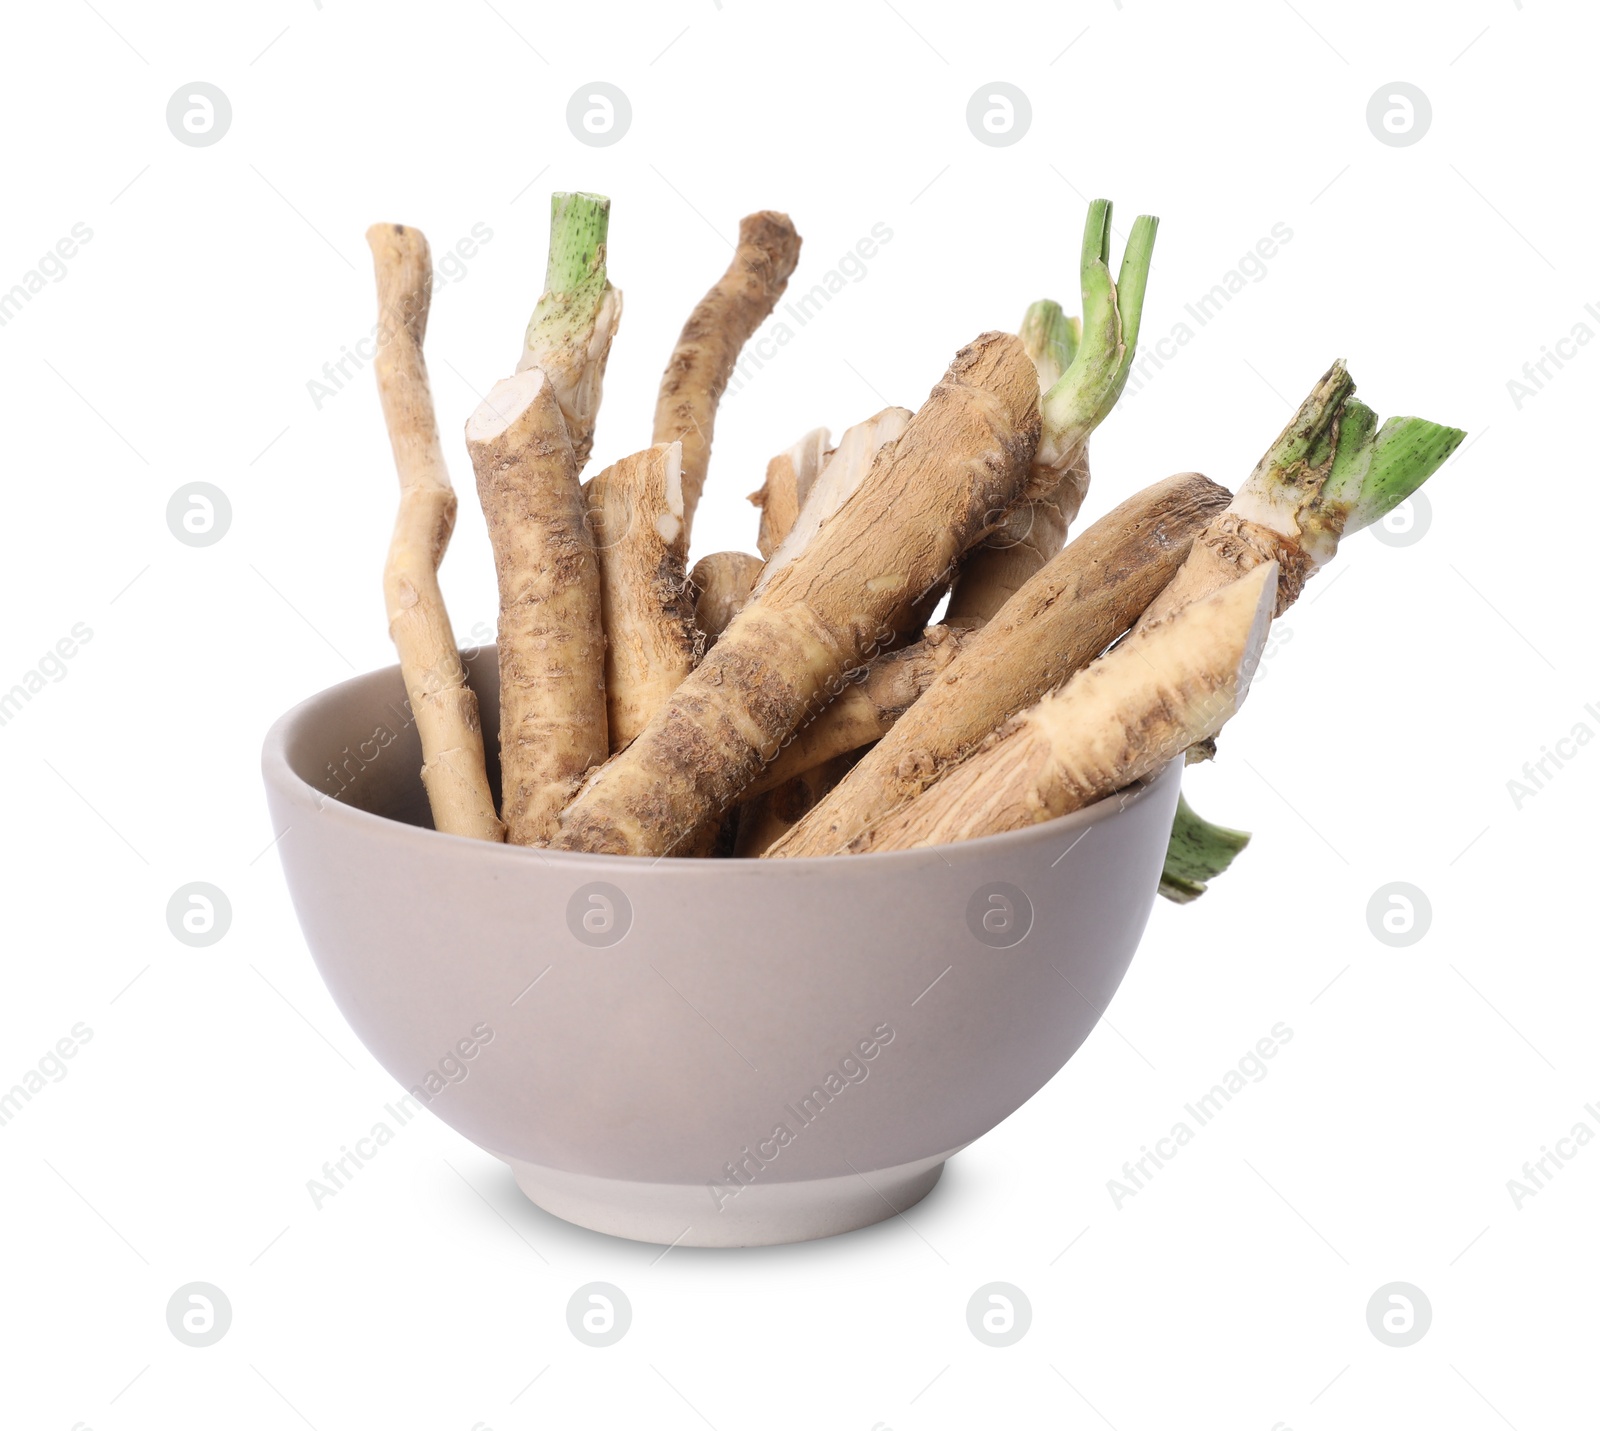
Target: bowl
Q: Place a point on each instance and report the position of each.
(701, 1052)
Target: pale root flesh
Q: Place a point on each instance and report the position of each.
(551, 643)
(1118, 720)
(708, 347)
(962, 460)
(1062, 618)
(845, 469)
(789, 478)
(721, 585)
(636, 516)
(443, 705)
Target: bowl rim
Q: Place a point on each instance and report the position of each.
(280, 775)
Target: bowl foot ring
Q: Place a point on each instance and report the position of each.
(755, 1214)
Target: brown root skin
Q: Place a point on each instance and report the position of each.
(866, 709)
(635, 511)
(1230, 547)
(1031, 534)
(722, 322)
(551, 643)
(771, 815)
(1067, 614)
(720, 584)
(444, 706)
(1118, 720)
(789, 478)
(963, 458)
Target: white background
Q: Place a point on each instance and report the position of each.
(1231, 1291)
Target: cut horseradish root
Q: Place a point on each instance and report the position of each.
(799, 703)
(551, 643)
(1118, 720)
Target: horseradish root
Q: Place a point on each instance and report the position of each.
(1327, 474)
(772, 814)
(1081, 601)
(798, 704)
(636, 515)
(845, 469)
(720, 584)
(1082, 371)
(1118, 720)
(789, 477)
(570, 333)
(442, 703)
(867, 708)
(552, 647)
(722, 322)
(963, 458)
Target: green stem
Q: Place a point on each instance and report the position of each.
(1333, 470)
(1405, 453)
(1197, 851)
(1051, 339)
(1079, 400)
(575, 274)
(1298, 461)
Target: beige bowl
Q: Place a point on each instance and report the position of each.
(706, 1052)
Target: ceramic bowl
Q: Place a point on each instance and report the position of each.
(697, 1051)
